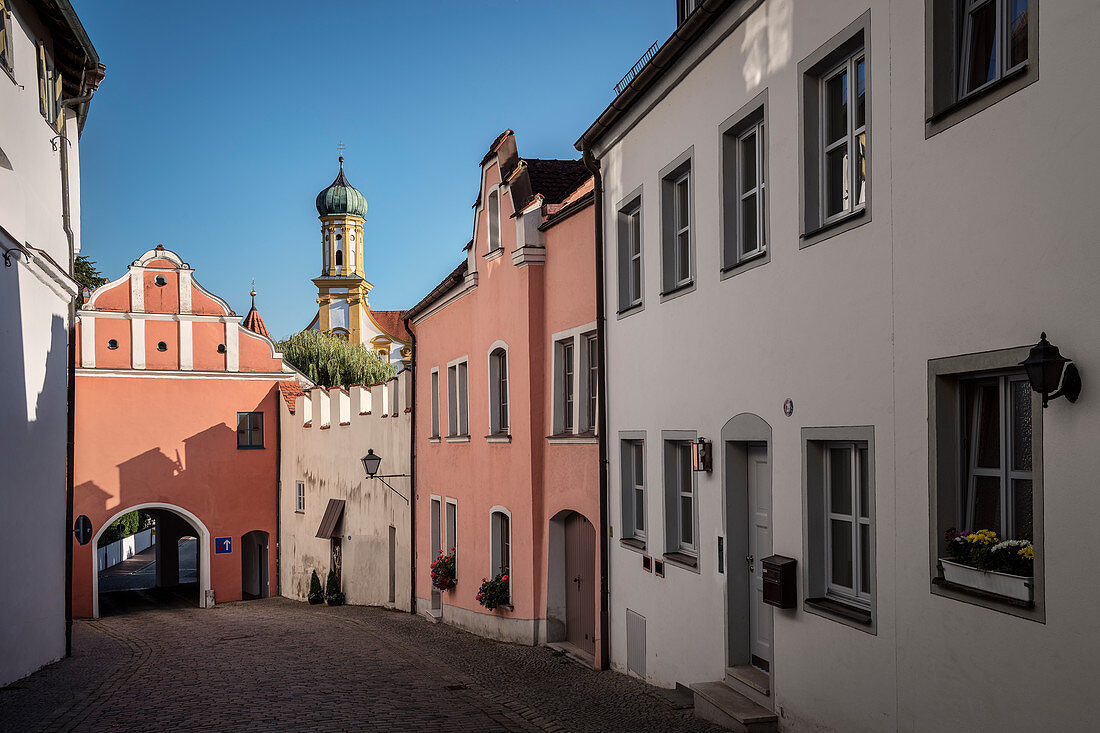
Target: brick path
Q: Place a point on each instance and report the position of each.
(278, 664)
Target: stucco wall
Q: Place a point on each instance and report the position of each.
(977, 240)
(327, 460)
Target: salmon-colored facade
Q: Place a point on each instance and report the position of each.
(512, 484)
(164, 369)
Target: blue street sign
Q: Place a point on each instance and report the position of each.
(223, 545)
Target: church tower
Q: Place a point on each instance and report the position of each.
(341, 288)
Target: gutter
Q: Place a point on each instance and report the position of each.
(601, 410)
(412, 470)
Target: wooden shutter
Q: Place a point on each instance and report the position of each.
(42, 78)
(59, 121)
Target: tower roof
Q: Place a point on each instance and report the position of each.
(341, 198)
(252, 321)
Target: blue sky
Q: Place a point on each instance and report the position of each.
(218, 122)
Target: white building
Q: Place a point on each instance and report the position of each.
(854, 325)
(48, 71)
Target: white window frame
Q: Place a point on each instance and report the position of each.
(591, 363)
(300, 497)
(683, 467)
(569, 408)
(492, 208)
(458, 398)
(859, 483)
(681, 225)
(434, 382)
(632, 258)
(499, 544)
(499, 397)
(757, 189)
(633, 449)
(1001, 45)
(848, 66)
(450, 525)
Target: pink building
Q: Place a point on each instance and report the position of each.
(176, 414)
(505, 444)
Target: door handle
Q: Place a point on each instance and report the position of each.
(750, 560)
(577, 580)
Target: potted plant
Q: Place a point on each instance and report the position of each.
(316, 593)
(443, 571)
(332, 590)
(982, 561)
(494, 593)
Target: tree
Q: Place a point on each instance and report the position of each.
(85, 273)
(331, 361)
(332, 590)
(316, 595)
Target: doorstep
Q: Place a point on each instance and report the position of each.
(574, 653)
(751, 682)
(716, 702)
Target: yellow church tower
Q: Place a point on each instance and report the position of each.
(342, 288)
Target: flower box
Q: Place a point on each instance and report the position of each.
(1018, 587)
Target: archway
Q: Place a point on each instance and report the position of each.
(182, 524)
(571, 582)
(254, 580)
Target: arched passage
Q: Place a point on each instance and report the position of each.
(571, 581)
(198, 529)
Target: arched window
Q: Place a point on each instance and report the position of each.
(339, 258)
(498, 391)
(494, 221)
(502, 544)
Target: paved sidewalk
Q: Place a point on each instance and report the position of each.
(278, 664)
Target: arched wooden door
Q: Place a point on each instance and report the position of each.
(580, 579)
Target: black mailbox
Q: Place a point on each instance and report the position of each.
(780, 584)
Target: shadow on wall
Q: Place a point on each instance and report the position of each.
(767, 44)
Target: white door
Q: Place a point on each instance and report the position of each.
(760, 546)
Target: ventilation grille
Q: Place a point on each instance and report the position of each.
(635, 643)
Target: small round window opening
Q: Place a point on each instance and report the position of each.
(112, 344)
(221, 348)
(161, 346)
(160, 281)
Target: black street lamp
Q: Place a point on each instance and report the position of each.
(1047, 369)
(371, 463)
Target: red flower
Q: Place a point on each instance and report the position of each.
(505, 578)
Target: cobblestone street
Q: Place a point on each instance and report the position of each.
(278, 664)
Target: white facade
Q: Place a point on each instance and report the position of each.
(35, 293)
(977, 236)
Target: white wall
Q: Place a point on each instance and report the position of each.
(123, 549)
(33, 307)
(978, 239)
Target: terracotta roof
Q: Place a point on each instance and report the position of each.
(495, 144)
(392, 323)
(254, 323)
(291, 391)
(555, 178)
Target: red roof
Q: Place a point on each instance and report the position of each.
(291, 391)
(391, 322)
(254, 323)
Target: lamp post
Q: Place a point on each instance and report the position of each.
(372, 462)
(1047, 370)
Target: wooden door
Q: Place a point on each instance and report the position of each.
(580, 578)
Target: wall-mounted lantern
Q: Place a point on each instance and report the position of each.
(700, 455)
(1047, 370)
(371, 463)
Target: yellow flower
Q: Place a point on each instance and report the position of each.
(1027, 553)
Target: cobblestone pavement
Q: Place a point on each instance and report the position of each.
(279, 664)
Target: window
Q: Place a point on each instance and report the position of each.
(494, 221)
(681, 539)
(630, 252)
(112, 344)
(498, 391)
(744, 171)
(979, 52)
(592, 365)
(300, 497)
(676, 224)
(502, 543)
(839, 537)
(160, 281)
(452, 525)
(49, 89)
(567, 385)
(835, 125)
(632, 469)
(995, 490)
(5, 36)
(848, 522)
(250, 430)
(435, 403)
(161, 346)
(458, 400)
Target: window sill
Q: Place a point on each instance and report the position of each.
(746, 263)
(978, 95)
(630, 310)
(458, 438)
(677, 291)
(299, 511)
(587, 438)
(434, 439)
(985, 597)
(498, 438)
(838, 609)
(259, 447)
(683, 560)
(633, 543)
(10, 73)
(836, 226)
(490, 256)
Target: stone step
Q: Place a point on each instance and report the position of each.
(755, 678)
(716, 702)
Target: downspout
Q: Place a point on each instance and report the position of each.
(70, 372)
(278, 489)
(593, 165)
(412, 472)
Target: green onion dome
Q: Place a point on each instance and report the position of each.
(341, 198)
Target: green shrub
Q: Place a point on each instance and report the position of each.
(332, 590)
(316, 594)
(331, 361)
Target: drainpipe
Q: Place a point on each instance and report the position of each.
(593, 165)
(278, 489)
(412, 472)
